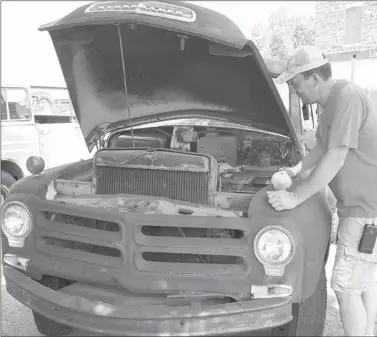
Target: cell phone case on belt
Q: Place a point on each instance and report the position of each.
(368, 239)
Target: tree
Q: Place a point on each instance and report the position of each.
(277, 46)
(258, 36)
(303, 35)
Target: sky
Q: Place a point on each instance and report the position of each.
(28, 56)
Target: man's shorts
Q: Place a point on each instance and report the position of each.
(354, 272)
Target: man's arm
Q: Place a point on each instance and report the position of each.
(328, 166)
(348, 120)
(310, 160)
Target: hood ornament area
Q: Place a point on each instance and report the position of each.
(152, 155)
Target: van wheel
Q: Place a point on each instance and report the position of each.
(309, 316)
(6, 182)
(45, 325)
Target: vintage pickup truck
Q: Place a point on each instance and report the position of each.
(167, 230)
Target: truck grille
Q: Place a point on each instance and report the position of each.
(79, 238)
(82, 222)
(178, 185)
(81, 246)
(192, 258)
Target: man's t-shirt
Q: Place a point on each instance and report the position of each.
(350, 120)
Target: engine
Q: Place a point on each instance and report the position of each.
(209, 166)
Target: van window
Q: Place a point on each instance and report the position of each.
(15, 104)
(52, 102)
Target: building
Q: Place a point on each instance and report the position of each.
(347, 32)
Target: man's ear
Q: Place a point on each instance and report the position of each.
(316, 79)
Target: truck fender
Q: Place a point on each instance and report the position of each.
(310, 226)
(13, 168)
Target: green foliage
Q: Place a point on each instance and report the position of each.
(283, 34)
(303, 35)
(277, 46)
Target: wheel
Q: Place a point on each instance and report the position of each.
(45, 325)
(50, 328)
(6, 182)
(309, 316)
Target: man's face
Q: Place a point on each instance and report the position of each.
(305, 88)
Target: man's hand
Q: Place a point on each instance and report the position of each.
(281, 200)
(292, 171)
(288, 170)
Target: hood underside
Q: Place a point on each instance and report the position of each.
(170, 67)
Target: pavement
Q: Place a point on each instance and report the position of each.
(17, 320)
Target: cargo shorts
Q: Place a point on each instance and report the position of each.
(354, 273)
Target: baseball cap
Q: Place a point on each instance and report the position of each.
(303, 58)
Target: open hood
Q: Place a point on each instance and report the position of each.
(176, 58)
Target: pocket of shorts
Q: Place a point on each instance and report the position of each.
(352, 253)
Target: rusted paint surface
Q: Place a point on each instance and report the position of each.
(72, 188)
(147, 205)
(235, 201)
(173, 277)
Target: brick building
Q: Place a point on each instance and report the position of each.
(347, 32)
(344, 27)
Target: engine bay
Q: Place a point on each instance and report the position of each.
(190, 166)
(246, 160)
(237, 148)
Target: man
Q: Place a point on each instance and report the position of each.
(345, 158)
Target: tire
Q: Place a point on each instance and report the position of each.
(6, 183)
(50, 328)
(45, 325)
(309, 316)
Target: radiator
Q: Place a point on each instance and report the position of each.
(178, 185)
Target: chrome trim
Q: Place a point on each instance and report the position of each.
(16, 241)
(4, 193)
(257, 253)
(16, 261)
(144, 8)
(270, 291)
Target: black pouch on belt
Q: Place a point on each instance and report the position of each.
(368, 239)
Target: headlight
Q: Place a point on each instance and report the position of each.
(16, 222)
(274, 246)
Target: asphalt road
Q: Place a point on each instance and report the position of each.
(17, 320)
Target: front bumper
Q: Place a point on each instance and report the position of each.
(108, 318)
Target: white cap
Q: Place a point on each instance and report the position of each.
(304, 58)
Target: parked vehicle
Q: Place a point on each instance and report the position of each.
(167, 229)
(36, 121)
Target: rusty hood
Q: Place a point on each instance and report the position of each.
(176, 58)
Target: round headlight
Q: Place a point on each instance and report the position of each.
(274, 246)
(16, 220)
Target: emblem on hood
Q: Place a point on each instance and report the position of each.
(152, 8)
(151, 154)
